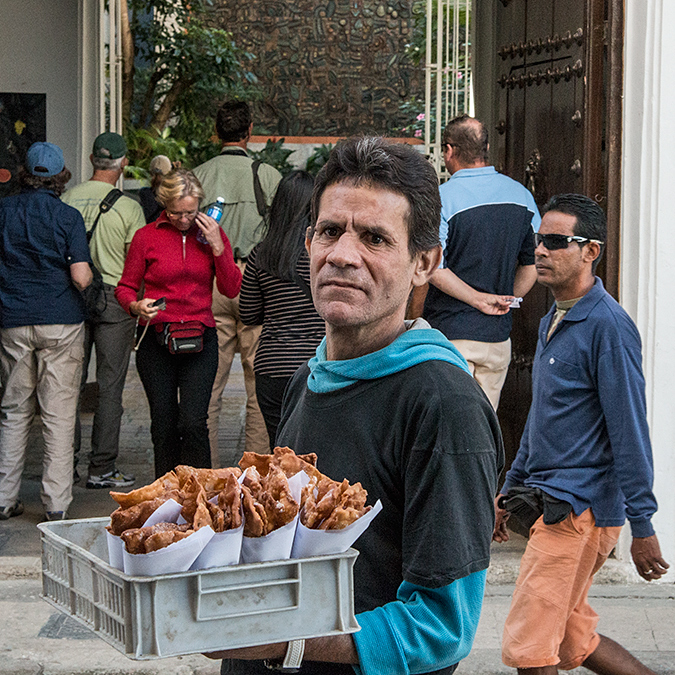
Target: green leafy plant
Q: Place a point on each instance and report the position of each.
(318, 158)
(144, 145)
(275, 154)
(177, 69)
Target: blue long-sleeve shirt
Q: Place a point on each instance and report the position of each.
(423, 630)
(586, 440)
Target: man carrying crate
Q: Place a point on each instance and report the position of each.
(390, 403)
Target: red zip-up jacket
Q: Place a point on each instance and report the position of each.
(173, 264)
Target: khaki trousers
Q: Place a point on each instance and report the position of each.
(234, 336)
(488, 363)
(42, 363)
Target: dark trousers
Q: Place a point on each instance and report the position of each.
(270, 394)
(178, 387)
(112, 335)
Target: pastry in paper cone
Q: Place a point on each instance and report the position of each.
(329, 505)
(159, 536)
(268, 503)
(201, 512)
(136, 515)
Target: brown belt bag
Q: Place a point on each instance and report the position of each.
(184, 337)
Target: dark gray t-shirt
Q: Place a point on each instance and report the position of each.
(427, 443)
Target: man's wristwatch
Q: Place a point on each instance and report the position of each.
(292, 661)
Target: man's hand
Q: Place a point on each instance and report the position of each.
(647, 557)
(489, 303)
(500, 534)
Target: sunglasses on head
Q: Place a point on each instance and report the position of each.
(553, 242)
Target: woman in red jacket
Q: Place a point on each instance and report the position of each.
(175, 260)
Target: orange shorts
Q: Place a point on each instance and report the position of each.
(550, 622)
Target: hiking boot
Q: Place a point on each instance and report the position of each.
(7, 512)
(112, 479)
(51, 516)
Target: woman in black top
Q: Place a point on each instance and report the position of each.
(275, 293)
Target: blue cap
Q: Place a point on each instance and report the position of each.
(45, 159)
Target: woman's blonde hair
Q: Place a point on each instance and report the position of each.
(178, 184)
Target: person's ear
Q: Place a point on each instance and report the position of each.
(426, 264)
(591, 252)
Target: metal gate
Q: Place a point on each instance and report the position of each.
(448, 77)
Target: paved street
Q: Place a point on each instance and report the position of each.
(37, 640)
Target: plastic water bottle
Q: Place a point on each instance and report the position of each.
(215, 211)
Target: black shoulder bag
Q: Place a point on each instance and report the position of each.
(94, 294)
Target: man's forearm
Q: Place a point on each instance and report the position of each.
(525, 277)
(448, 282)
(333, 649)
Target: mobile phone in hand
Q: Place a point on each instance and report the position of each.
(160, 304)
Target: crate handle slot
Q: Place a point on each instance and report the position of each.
(293, 585)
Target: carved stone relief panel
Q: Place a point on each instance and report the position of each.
(327, 68)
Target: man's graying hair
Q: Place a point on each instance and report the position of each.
(105, 164)
(591, 221)
(371, 161)
(468, 138)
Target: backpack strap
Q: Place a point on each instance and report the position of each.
(257, 188)
(105, 206)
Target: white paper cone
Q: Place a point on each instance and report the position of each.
(168, 512)
(309, 542)
(277, 545)
(176, 557)
(224, 549)
(115, 551)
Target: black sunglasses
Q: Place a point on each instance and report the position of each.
(553, 242)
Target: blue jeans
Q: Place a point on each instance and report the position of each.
(178, 387)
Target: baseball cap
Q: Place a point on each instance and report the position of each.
(109, 145)
(160, 164)
(45, 159)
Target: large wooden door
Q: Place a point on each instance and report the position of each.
(550, 102)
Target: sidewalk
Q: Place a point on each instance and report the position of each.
(37, 640)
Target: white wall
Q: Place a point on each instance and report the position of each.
(648, 231)
(39, 54)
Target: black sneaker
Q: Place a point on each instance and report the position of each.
(112, 479)
(7, 512)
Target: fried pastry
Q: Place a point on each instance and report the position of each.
(255, 518)
(135, 516)
(135, 540)
(212, 480)
(167, 482)
(284, 458)
(328, 505)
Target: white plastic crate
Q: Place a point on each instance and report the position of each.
(192, 612)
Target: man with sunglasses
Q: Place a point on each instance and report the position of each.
(584, 464)
(487, 221)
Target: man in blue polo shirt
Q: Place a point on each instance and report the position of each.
(45, 265)
(585, 462)
(487, 223)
